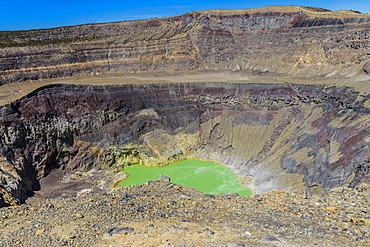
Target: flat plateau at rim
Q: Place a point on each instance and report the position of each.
(11, 92)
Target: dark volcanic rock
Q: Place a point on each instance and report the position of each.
(273, 136)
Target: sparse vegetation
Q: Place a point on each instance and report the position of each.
(317, 9)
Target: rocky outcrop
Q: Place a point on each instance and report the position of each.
(289, 40)
(273, 136)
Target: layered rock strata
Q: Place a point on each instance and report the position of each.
(289, 40)
(272, 136)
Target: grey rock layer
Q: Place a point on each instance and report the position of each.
(274, 40)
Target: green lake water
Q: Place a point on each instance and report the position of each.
(204, 176)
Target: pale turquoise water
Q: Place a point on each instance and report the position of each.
(204, 176)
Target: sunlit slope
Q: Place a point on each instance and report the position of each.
(278, 40)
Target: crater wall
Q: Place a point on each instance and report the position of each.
(272, 136)
(288, 40)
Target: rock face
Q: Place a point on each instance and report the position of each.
(291, 40)
(273, 136)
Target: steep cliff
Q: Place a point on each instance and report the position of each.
(289, 40)
(273, 136)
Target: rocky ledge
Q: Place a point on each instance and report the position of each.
(159, 213)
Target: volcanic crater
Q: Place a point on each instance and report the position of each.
(272, 136)
(280, 95)
(296, 116)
